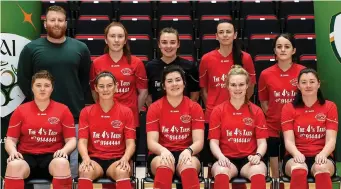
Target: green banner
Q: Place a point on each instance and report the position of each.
(328, 46)
(20, 23)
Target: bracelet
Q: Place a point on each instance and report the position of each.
(260, 155)
(190, 149)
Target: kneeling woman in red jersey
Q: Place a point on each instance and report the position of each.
(175, 133)
(238, 135)
(309, 125)
(46, 135)
(106, 137)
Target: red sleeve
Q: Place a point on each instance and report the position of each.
(260, 123)
(263, 92)
(197, 117)
(153, 118)
(69, 129)
(215, 124)
(203, 75)
(15, 123)
(287, 117)
(83, 127)
(249, 67)
(92, 75)
(141, 76)
(129, 128)
(332, 117)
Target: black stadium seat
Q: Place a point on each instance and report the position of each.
(256, 7)
(95, 43)
(305, 44)
(208, 23)
(169, 7)
(210, 8)
(64, 4)
(261, 24)
(137, 24)
(261, 44)
(309, 61)
(103, 7)
(140, 7)
(182, 23)
(300, 24)
(92, 24)
(208, 43)
(262, 62)
(141, 45)
(295, 7)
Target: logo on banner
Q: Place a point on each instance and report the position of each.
(335, 35)
(11, 94)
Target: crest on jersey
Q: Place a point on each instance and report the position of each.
(294, 82)
(248, 121)
(185, 118)
(126, 71)
(335, 35)
(116, 123)
(321, 117)
(53, 120)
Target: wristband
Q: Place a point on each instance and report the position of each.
(190, 149)
(260, 155)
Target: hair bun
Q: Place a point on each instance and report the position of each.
(236, 66)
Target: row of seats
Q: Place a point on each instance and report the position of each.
(194, 9)
(92, 16)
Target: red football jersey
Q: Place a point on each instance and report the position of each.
(175, 125)
(130, 77)
(237, 130)
(106, 132)
(278, 88)
(41, 132)
(309, 125)
(213, 71)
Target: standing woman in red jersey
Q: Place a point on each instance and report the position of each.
(45, 133)
(212, 74)
(238, 135)
(277, 86)
(106, 137)
(175, 133)
(310, 125)
(132, 83)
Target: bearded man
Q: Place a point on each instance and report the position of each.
(67, 59)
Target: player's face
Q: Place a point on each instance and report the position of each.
(174, 84)
(55, 24)
(116, 38)
(225, 34)
(168, 44)
(105, 88)
(284, 49)
(308, 84)
(42, 89)
(237, 86)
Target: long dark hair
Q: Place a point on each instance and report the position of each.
(237, 54)
(126, 48)
(171, 69)
(298, 100)
(291, 38)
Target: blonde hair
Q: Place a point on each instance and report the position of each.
(239, 70)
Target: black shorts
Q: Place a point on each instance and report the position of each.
(275, 147)
(309, 161)
(240, 162)
(39, 165)
(206, 154)
(105, 164)
(176, 155)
